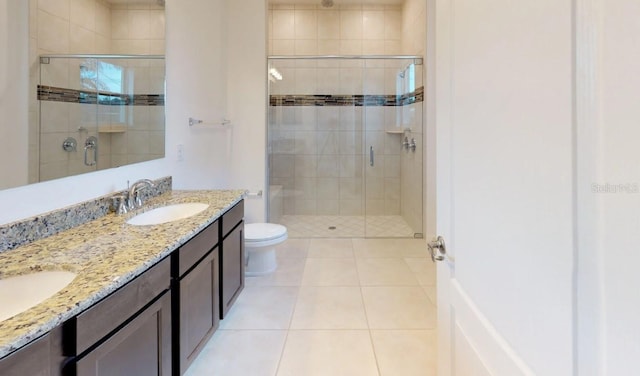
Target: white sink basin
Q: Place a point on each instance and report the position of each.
(168, 213)
(19, 293)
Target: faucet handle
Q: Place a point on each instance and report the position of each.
(119, 204)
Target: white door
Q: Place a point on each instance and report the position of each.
(611, 315)
(504, 136)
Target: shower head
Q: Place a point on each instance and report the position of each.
(327, 3)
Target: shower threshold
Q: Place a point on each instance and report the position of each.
(346, 226)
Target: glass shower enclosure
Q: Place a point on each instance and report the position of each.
(345, 145)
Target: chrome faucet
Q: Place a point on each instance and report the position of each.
(133, 197)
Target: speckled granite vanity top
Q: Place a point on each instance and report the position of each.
(105, 254)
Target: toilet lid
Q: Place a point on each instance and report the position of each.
(263, 231)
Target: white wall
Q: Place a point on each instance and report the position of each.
(246, 99)
(196, 86)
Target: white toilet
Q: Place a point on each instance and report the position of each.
(260, 240)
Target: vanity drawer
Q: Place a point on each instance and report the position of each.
(231, 218)
(197, 247)
(102, 318)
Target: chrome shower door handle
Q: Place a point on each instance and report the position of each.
(371, 156)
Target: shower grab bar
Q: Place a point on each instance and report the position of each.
(371, 156)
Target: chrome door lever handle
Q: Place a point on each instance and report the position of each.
(437, 249)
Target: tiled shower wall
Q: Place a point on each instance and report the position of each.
(84, 27)
(411, 168)
(317, 158)
(356, 30)
(340, 30)
(414, 30)
(320, 153)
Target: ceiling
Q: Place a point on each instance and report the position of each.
(341, 2)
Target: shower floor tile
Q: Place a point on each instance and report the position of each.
(343, 226)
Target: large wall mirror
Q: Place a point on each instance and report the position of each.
(96, 86)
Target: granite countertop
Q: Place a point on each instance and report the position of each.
(105, 254)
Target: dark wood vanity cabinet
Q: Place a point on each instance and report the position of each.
(208, 275)
(231, 257)
(195, 296)
(156, 324)
(126, 333)
(42, 357)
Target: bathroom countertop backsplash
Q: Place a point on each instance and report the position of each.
(105, 253)
(15, 234)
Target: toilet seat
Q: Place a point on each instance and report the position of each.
(264, 234)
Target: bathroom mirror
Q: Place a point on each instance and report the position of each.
(96, 86)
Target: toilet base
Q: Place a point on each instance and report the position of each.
(259, 261)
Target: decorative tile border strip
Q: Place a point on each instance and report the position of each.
(28, 230)
(58, 94)
(348, 100)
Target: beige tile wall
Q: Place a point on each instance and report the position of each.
(316, 180)
(320, 154)
(340, 30)
(92, 27)
(137, 29)
(411, 167)
(413, 43)
(414, 29)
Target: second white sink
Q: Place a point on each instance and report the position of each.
(167, 213)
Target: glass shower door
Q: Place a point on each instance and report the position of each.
(392, 96)
(337, 165)
(314, 151)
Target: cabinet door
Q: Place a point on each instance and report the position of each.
(199, 308)
(42, 357)
(232, 268)
(140, 348)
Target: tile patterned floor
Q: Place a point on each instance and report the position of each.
(333, 307)
(337, 226)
